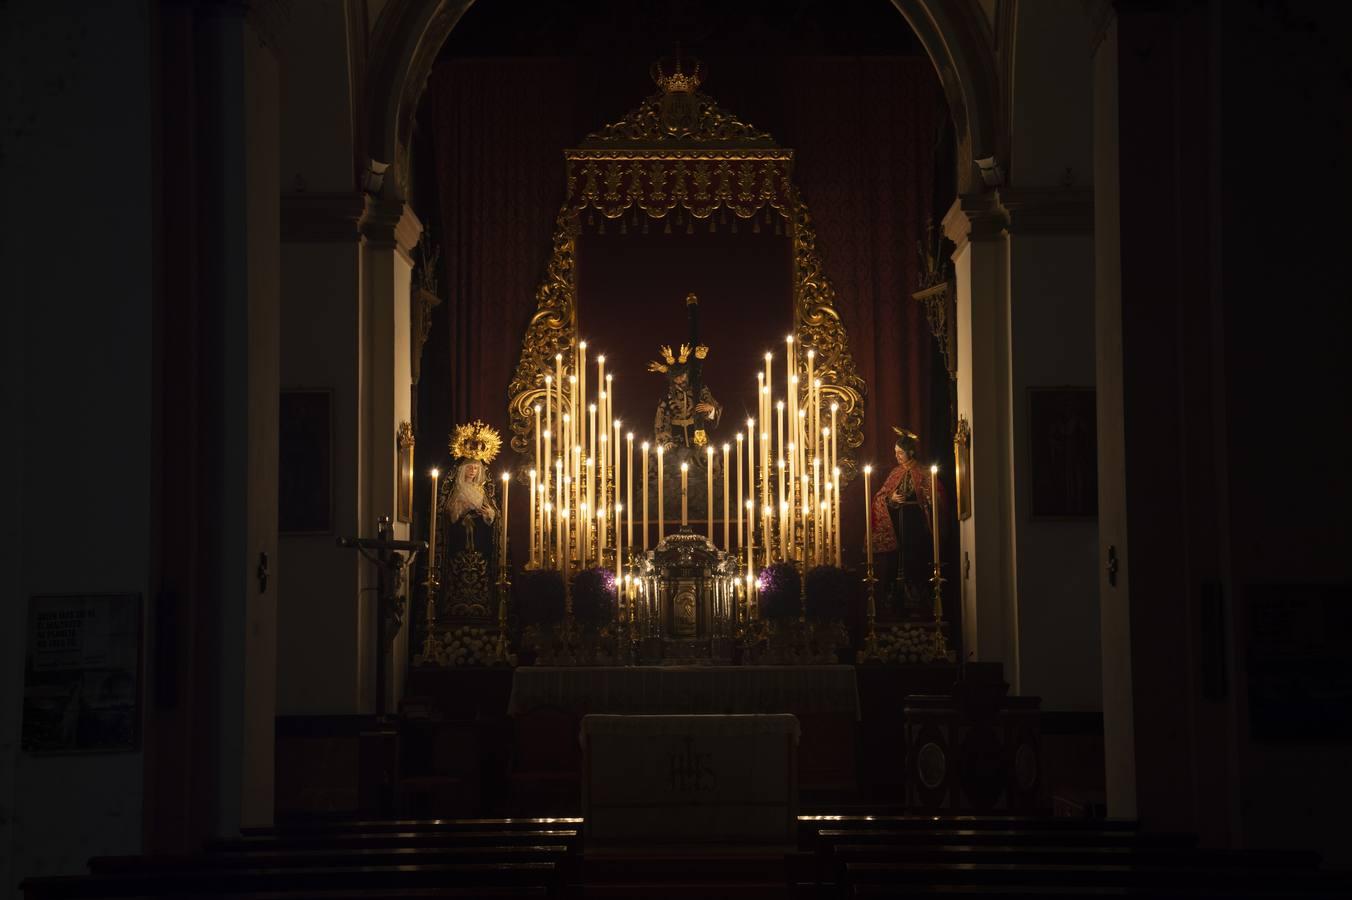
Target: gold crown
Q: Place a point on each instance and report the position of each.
(672, 77)
(475, 441)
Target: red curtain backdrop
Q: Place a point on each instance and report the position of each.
(863, 130)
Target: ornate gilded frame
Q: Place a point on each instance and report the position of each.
(679, 151)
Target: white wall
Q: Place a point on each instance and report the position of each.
(77, 280)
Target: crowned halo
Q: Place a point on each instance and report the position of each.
(475, 441)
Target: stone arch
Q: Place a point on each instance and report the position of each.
(409, 33)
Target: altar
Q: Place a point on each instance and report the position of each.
(687, 690)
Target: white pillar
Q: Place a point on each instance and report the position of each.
(390, 231)
(1119, 733)
(975, 225)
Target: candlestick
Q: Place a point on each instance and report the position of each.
(645, 496)
(816, 511)
(619, 552)
(685, 510)
(783, 519)
(585, 523)
(709, 488)
(934, 514)
(740, 541)
(767, 515)
(582, 394)
(726, 524)
(661, 499)
(811, 424)
(751, 479)
(558, 505)
(602, 532)
(615, 471)
(835, 522)
(868, 517)
(803, 505)
(502, 549)
(830, 534)
(591, 449)
(750, 539)
(432, 526)
(539, 424)
(534, 526)
(629, 489)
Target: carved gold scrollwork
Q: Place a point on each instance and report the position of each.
(551, 331)
(818, 327)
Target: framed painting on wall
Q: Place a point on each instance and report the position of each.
(305, 463)
(1063, 453)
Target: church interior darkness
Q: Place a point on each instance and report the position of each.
(764, 448)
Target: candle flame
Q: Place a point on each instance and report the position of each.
(834, 407)
(506, 476)
(436, 473)
(645, 446)
(811, 353)
(725, 447)
(934, 470)
(601, 358)
(629, 436)
(789, 339)
(685, 466)
(868, 470)
(739, 437)
(768, 356)
(779, 405)
(582, 344)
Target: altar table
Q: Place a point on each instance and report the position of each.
(690, 779)
(686, 690)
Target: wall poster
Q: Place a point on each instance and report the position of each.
(82, 675)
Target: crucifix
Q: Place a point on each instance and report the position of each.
(390, 557)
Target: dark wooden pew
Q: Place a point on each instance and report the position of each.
(315, 859)
(976, 837)
(569, 837)
(375, 826)
(905, 877)
(296, 882)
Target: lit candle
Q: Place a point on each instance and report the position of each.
(602, 532)
(603, 462)
(830, 534)
(615, 470)
(558, 505)
(549, 428)
(805, 513)
(934, 512)
(822, 514)
(645, 495)
(816, 510)
(802, 442)
(591, 452)
(534, 525)
(502, 549)
(661, 499)
(835, 438)
(740, 541)
(565, 540)
(544, 474)
(588, 546)
(709, 488)
(819, 450)
(432, 525)
(685, 509)
(581, 395)
(751, 479)
(769, 382)
(835, 521)
(768, 531)
(619, 549)
(726, 524)
(811, 432)
(868, 518)
(583, 535)
(750, 538)
(629, 489)
(765, 472)
(539, 434)
(783, 519)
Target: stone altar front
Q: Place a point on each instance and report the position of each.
(690, 779)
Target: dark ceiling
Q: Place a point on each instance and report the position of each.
(709, 29)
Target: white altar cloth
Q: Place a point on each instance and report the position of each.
(687, 690)
(690, 779)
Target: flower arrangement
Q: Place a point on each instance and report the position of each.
(906, 643)
(829, 590)
(780, 592)
(464, 646)
(594, 597)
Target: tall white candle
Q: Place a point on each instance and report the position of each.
(811, 422)
(709, 488)
(685, 507)
(602, 531)
(645, 495)
(619, 550)
(615, 468)
(534, 525)
(661, 499)
(432, 525)
(934, 512)
(582, 394)
(741, 542)
(726, 524)
(558, 506)
(835, 437)
(868, 518)
(585, 523)
(629, 490)
(502, 549)
(835, 523)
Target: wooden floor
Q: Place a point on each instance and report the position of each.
(850, 854)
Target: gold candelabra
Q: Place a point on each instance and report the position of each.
(870, 651)
(940, 643)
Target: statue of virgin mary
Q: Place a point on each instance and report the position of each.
(468, 513)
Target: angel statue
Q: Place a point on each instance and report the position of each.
(468, 510)
(688, 407)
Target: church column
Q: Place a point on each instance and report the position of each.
(390, 231)
(1050, 254)
(975, 224)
